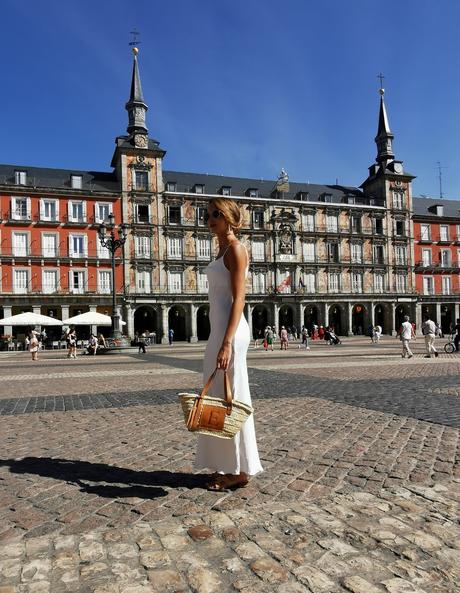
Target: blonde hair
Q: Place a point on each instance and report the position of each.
(230, 211)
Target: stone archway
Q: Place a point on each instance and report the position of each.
(203, 327)
(447, 318)
(285, 317)
(381, 318)
(336, 319)
(177, 322)
(400, 312)
(259, 321)
(310, 317)
(146, 320)
(358, 320)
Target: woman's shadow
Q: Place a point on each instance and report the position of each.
(105, 480)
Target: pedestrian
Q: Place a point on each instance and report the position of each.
(101, 341)
(270, 338)
(33, 343)
(457, 335)
(294, 332)
(406, 333)
(233, 460)
(321, 333)
(371, 332)
(92, 344)
(429, 331)
(71, 339)
(304, 338)
(377, 334)
(139, 341)
(171, 336)
(284, 338)
(257, 338)
(42, 338)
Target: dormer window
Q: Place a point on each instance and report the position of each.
(76, 181)
(437, 209)
(20, 177)
(171, 186)
(302, 195)
(325, 198)
(252, 192)
(226, 190)
(199, 188)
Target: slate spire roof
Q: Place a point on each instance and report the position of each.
(136, 106)
(384, 136)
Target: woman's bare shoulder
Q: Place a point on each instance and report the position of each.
(237, 253)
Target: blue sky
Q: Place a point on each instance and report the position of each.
(236, 87)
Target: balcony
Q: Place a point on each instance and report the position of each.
(74, 221)
(41, 220)
(19, 217)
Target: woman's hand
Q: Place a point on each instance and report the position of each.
(224, 356)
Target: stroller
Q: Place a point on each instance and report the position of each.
(331, 337)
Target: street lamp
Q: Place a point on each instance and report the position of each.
(108, 240)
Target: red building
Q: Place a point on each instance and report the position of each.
(437, 258)
(51, 258)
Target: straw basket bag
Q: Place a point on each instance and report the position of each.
(222, 418)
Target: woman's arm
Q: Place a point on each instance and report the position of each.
(235, 260)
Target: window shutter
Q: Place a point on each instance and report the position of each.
(42, 209)
(70, 239)
(84, 209)
(85, 246)
(57, 209)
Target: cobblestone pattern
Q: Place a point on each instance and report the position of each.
(419, 397)
(402, 541)
(79, 470)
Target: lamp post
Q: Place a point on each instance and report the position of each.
(108, 239)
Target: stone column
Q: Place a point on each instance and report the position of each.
(325, 320)
(438, 313)
(249, 309)
(164, 324)
(456, 312)
(130, 321)
(350, 319)
(393, 319)
(193, 328)
(7, 312)
(65, 313)
(276, 310)
(93, 329)
(372, 314)
(418, 318)
(300, 313)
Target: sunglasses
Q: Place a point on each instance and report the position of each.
(214, 214)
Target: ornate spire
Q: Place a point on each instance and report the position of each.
(136, 106)
(384, 136)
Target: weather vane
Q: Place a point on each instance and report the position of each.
(135, 42)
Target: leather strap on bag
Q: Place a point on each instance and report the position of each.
(195, 413)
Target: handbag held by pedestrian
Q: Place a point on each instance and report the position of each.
(222, 418)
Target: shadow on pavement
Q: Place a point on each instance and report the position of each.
(106, 480)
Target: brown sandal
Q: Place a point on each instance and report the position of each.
(225, 484)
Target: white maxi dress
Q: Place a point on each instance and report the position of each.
(239, 454)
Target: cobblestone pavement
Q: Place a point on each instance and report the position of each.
(360, 492)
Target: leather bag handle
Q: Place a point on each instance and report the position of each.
(196, 410)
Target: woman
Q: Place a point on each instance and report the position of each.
(284, 337)
(33, 343)
(71, 338)
(233, 460)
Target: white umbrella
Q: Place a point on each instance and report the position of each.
(90, 318)
(30, 319)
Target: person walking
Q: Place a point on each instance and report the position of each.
(139, 341)
(171, 336)
(71, 338)
(406, 333)
(284, 338)
(377, 334)
(233, 460)
(33, 343)
(304, 338)
(457, 335)
(270, 338)
(429, 331)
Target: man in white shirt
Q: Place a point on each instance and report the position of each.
(429, 331)
(406, 335)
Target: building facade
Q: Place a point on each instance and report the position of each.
(437, 259)
(325, 254)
